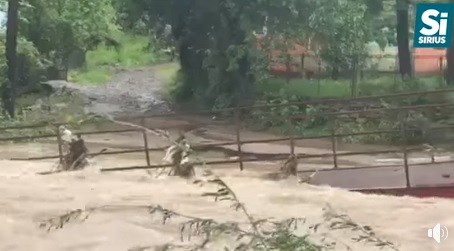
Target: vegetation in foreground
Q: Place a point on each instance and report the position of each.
(35, 109)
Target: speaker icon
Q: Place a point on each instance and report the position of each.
(438, 232)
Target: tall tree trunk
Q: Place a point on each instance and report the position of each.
(11, 57)
(403, 45)
(355, 76)
(450, 59)
(335, 72)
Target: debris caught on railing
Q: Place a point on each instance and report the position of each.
(179, 158)
(290, 166)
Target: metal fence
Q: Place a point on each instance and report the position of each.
(432, 62)
(239, 142)
(382, 69)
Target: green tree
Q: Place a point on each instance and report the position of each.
(344, 29)
(58, 27)
(382, 16)
(216, 44)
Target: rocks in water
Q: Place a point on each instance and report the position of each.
(60, 87)
(39, 105)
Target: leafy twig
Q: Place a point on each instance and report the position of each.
(69, 217)
(226, 193)
(343, 221)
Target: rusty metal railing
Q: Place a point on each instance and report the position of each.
(272, 157)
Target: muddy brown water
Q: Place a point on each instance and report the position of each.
(28, 199)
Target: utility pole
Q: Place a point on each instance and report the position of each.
(450, 59)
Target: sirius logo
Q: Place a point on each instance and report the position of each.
(433, 25)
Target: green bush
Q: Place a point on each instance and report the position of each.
(176, 89)
(328, 88)
(31, 67)
(277, 91)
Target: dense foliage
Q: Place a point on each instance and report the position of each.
(49, 33)
(220, 63)
(58, 27)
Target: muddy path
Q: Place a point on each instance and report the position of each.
(131, 92)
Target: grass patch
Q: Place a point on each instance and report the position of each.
(100, 62)
(325, 88)
(301, 87)
(99, 75)
(167, 72)
(61, 107)
(277, 91)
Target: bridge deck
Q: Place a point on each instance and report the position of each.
(387, 177)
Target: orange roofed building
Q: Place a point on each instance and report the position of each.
(429, 60)
(281, 61)
(426, 60)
